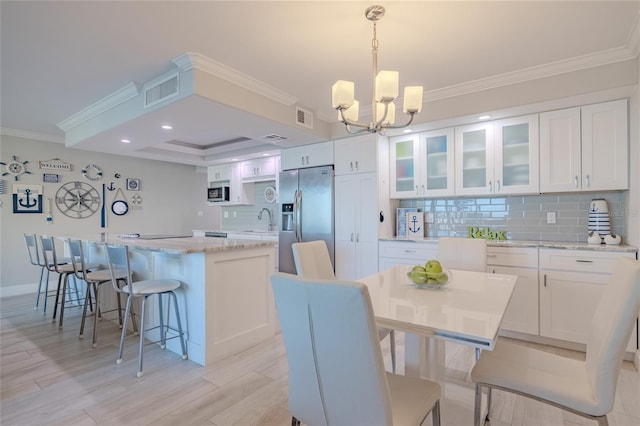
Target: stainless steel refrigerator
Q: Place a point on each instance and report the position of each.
(306, 209)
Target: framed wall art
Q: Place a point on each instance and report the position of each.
(50, 178)
(133, 184)
(27, 198)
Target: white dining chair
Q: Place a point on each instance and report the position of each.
(118, 259)
(336, 371)
(584, 387)
(468, 254)
(312, 261)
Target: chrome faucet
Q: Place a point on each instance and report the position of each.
(271, 223)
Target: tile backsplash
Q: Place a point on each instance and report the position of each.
(522, 217)
(245, 218)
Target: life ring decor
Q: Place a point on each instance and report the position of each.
(92, 172)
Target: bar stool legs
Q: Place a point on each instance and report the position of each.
(163, 327)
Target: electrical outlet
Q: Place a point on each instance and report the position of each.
(235, 214)
(428, 218)
(226, 215)
(551, 218)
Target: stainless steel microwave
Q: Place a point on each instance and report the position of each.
(218, 194)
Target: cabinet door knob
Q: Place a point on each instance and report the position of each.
(587, 181)
(351, 165)
(497, 186)
(575, 181)
(356, 165)
(490, 187)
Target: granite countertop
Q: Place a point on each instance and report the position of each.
(180, 245)
(245, 232)
(624, 248)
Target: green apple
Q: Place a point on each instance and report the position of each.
(433, 266)
(417, 277)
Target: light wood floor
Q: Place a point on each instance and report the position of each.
(51, 377)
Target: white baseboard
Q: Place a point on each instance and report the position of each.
(19, 290)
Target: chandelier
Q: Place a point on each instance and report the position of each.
(385, 91)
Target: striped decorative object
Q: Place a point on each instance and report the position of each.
(599, 217)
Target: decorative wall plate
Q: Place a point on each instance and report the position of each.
(270, 194)
(77, 200)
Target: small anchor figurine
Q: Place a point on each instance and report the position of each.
(26, 203)
(111, 187)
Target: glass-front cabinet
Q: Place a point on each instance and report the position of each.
(499, 157)
(437, 163)
(422, 164)
(405, 154)
(474, 159)
(517, 147)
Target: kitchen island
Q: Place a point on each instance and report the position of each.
(225, 300)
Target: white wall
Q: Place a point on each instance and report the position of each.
(172, 195)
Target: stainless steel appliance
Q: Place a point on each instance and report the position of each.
(306, 209)
(218, 193)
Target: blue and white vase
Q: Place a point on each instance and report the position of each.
(599, 217)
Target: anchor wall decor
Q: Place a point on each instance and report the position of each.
(27, 198)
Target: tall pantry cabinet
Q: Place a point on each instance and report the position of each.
(362, 205)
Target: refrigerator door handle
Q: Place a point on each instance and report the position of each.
(297, 205)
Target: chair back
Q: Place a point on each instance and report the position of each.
(49, 257)
(336, 369)
(118, 260)
(312, 260)
(611, 327)
(31, 242)
(77, 259)
(467, 254)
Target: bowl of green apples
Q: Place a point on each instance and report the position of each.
(431, 274)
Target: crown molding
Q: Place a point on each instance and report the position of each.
(191, 60)
(551, 69)
(129, 91)
(31, 135)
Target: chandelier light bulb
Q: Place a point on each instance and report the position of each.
(342, 94)
(387, 86)
(412, 99)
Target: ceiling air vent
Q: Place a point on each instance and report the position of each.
(304, 117)
(161, 90)
(273, 138)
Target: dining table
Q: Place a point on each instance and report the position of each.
(468, 310)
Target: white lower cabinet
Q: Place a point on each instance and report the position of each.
(522, 312)
(394, 253)
(571, 283)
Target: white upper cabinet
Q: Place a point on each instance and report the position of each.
(585, 148)
(219, 173)
(516, 155)
(318, 154)
(422, 165)
(474, 159)
(498, 157)
(259, 169)
(356, 154)
(405, 154)
(436, 165)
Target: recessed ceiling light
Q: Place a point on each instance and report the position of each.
(125, 141)
(484, 117)
(264, 154)
(167, 127)
(407, 131)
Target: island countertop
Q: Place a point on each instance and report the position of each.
(178, 245)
